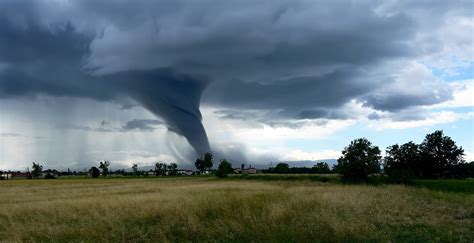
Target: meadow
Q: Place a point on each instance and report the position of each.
(234, 209)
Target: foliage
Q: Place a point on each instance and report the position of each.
(135, 169)
(401, 162)
(281, 168)
(172, 169)
(224, 169)
(438, 154)
(358, 161)
(334, 179)
(160, 168)
(205, 163)
(94, 172)
(49, 176)
(36, 170)
(104, 165)
(450, 185)
(321, 168)
(437, 157)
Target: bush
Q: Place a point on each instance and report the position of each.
(281, 168)
(94, 172)
(224, 169)
(49, 176)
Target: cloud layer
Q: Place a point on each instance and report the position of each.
(287, 61)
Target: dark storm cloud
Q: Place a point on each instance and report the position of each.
(293, 96)
(85, 128)
(135, 125)
(142, 125)
(164, 92)
(396, 101)
(10, 135)
(292, 60)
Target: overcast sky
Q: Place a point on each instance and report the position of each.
(253, 81)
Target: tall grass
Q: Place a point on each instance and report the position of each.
(208, 209)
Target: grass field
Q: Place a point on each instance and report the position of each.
(208, 209)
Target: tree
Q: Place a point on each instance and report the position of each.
(94, 172)
(321, 168)
(208, 160)
(224, 169)
(358, 160)
(199, 164)
(36, 170)
(204, 163)
(439, 154)
(135, 169)
(402, 162)
(281, 168)
(172, 169)
(160, 168)
(104, 165)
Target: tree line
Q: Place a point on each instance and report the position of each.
(437, 157)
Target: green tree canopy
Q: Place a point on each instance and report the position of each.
(281, 168)
(402, 162)
(224, 169)
(36, 170)
(94, 172)
(358, 160)
(104, 165)
(439, 153)
(205, 163)
(321, 168)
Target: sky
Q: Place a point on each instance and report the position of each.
(252, 81)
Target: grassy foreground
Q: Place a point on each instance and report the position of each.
(208, 209)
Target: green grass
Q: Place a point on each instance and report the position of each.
(331, 178)
(234, 209)
(451, 185)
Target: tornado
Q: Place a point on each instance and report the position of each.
(172, 96)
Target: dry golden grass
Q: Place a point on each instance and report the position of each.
(193, 209)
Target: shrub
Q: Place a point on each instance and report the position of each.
(94, 172)
(224, 169)
(281, 168)
(49, 176)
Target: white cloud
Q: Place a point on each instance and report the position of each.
(255, 133)
(434, 118)
(468, 156)
(318, 155)
(463, 95)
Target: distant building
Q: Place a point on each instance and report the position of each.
(13, 174)
(150, 173)
(184, 172)
(20, 174)
(54, 173)
(249, 170)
